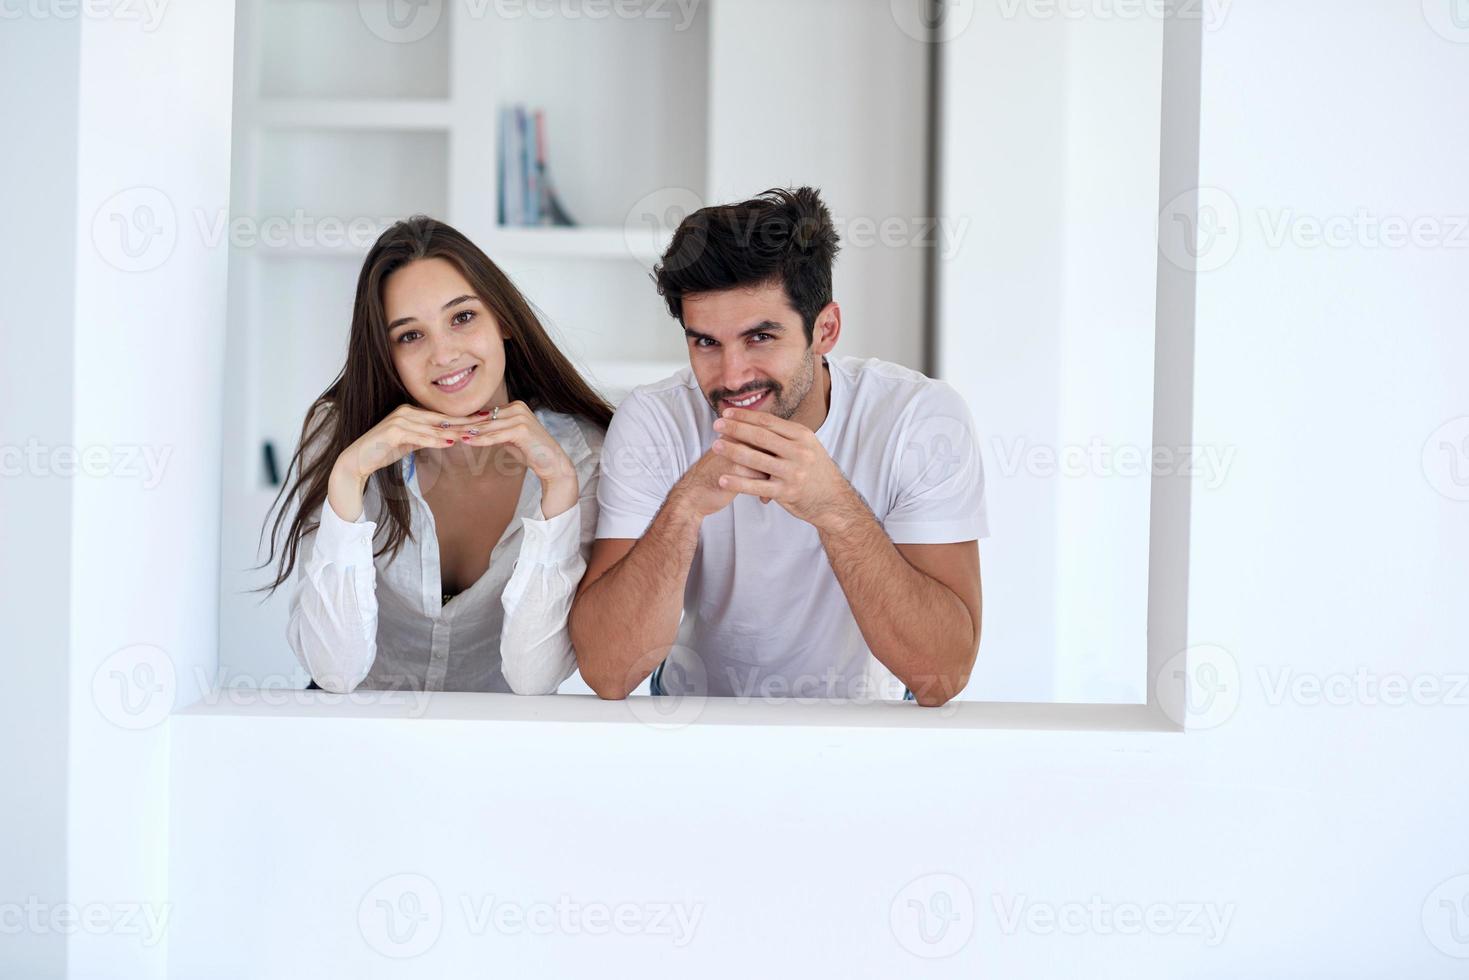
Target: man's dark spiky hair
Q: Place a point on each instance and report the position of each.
(782, 236)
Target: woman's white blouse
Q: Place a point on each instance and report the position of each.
(359, 621)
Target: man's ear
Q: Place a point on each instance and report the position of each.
(828, 328)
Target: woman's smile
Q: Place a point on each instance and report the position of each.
(457, 381)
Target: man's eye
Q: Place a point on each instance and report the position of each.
(766, 336)
(703, 342)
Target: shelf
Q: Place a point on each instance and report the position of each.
(368, 114)
(568, 243)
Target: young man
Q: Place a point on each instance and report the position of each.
(774, 522)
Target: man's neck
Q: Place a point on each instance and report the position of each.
(817, 403)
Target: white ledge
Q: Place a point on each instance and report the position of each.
(669, 713)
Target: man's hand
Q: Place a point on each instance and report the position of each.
(793, 468)
(701, 490)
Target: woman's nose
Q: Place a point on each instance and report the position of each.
(444, 351)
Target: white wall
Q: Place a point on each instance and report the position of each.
(1330, 834)
(831, 93)
(113, 321)
(111, 527)
(1046, 307)
(37, 189)
(1325, 834)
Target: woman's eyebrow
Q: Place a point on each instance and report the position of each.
(467, 297)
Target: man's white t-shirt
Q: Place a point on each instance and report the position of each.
(764, 614)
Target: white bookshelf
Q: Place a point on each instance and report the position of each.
(335, 124)
(333, 114)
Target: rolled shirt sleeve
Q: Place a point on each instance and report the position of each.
(536, 654)
(332, 625)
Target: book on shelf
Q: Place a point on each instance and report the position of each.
(526, 194)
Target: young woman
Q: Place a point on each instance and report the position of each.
(445, 486)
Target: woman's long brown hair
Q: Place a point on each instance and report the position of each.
(368, 388)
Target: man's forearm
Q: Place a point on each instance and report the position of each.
(625, 621)
(915, 625)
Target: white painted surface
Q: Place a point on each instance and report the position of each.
(1318, 814)
(1325, 834)
(152, 157)
(829, 93)
(37, 193)
(1049, 188)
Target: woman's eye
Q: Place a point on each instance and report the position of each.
(407, 336)
(463, 317)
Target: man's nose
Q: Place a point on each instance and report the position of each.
(735, 370)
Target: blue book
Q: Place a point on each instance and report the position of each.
(514, 173)
(501, 138)
(532, 185)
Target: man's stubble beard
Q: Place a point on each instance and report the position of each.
(798, 389)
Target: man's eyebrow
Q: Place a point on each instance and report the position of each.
(453, 302)
(766, 326)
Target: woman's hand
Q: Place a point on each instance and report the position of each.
(405, 429)
(517, 428)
